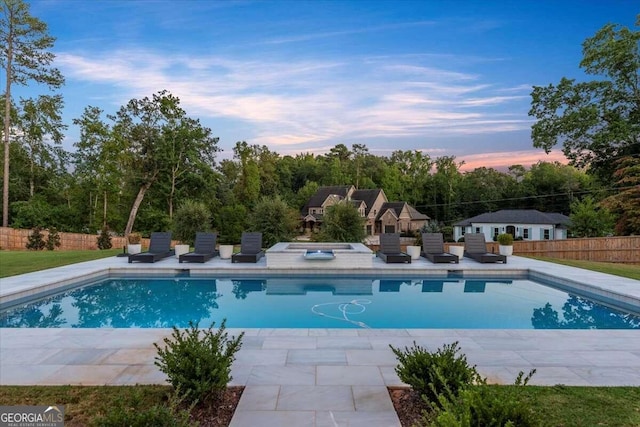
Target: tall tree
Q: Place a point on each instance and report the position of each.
(25, 57)
(626, 202)
(40, 121)
(596, 121)
(98, 161)
(144, 130)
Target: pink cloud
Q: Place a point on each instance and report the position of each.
(502, 160)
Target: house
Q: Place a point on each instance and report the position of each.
(380, 214)
(528, 224)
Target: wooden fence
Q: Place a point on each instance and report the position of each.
(624, 249)
(16, 239)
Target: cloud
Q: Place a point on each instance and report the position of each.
(314, 102)
(502, 160)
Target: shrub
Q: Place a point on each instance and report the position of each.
(432, 374)
(505, 239)
(191, 217)
(104, 239)
(479, 406)
(198, 362)
(134, 238)
(342, 223)
(36, 241)
(53, 239)
(274, 219)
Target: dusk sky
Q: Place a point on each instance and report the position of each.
(443, 77)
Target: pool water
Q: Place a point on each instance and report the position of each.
(318, 302)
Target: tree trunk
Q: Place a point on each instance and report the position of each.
(134, 209)
(104, 211)
(7, 127)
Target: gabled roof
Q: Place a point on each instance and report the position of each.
(517, 216)
(368, 197)
(397, 207)
(323, 192)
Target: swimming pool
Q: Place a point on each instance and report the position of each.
(516, 302)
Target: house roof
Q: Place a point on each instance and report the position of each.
(397, 208)
(517, 216)
(323, 192)
(367, 196)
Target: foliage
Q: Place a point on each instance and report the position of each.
(274, 219)
(134, 238)
(192, 216)
(133, 414)
(342, 223)
(104, 239)
(597, 121)
(198, 362)
(32, 213)
(590, 220)
(479, 406)
(36, 240)
(626, 201)
(53, 239)
(231, 221)
(25, 57)
(505, 239)
(432, 374)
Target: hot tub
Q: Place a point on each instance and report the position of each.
(319, 255)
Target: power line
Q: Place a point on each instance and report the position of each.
(538, 196)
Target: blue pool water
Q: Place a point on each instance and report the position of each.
(318, 302)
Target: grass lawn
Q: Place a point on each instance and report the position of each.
(19, 262)
(632, 271)
(554, 406)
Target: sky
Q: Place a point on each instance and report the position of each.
(448, 78)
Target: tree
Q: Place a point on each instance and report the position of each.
(596, 121)
(274, 219)
(626, 203)
(39, 119)
(588, 220)
(148, 134)
(25, 57)
(99, 163)
(342, 223)
(247, 188)
(191, 217)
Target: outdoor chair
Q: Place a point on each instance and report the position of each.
(433, 249)
(204, 248)
(475, 247)
(159, 248)
(250, 248)
(390, 249)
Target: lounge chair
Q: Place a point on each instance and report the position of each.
(204, 249)
(433, 249)
(250, 248)
(390, 249)
(475, 247)
(159, 248)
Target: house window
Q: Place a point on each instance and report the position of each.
(389, 229)
(478, 230)
(496, 231)
(525, 233)
(546, 234)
